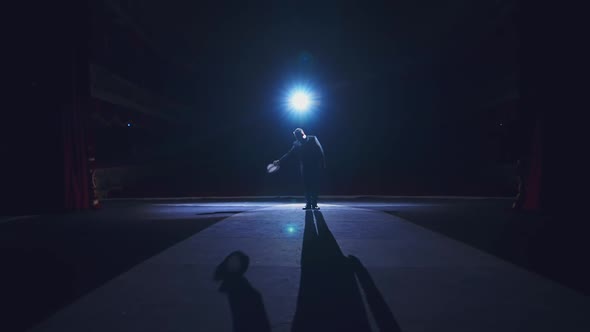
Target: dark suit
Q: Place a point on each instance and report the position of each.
(311, 162)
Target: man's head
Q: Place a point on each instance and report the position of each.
(299, 134)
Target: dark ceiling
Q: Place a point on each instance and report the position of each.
(345, 41)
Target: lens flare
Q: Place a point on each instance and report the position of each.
(300, 101)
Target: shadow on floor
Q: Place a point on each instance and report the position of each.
(50, 261)
(246, 304)
(379, 308)
(329, 296)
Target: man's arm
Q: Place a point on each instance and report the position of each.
(285, 156)
(317, 141)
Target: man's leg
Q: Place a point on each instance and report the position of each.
(307, 186)
(315, 188)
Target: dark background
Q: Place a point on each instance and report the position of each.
(187, 98)
(412, 94)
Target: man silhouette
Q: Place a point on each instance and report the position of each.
(310, 153)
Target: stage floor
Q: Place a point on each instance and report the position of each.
(147, 265)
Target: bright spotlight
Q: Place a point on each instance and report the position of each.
(300, 100)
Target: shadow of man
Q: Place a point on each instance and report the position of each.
(329, 296)
(379, 308)
(247, 307)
